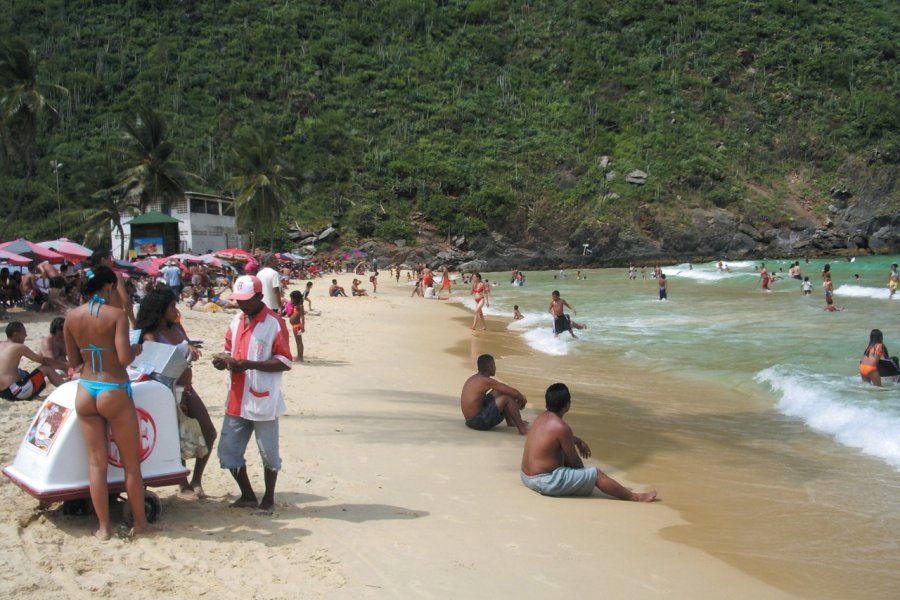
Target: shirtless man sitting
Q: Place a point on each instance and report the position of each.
(335, 290)
(16, 383)
(54, 346)
(551, 464)
(485, 401)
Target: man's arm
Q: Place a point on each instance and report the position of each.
(43, 360)
(507, 390)
(567, 445)
(572, 308)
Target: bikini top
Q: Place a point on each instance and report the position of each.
(95, 350)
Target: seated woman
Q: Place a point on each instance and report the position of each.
(157, 319)
(356, 290)
(96, 337)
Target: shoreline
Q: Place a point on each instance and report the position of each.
(383, 492)
(746, 479)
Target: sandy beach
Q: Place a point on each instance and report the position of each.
(384, 492)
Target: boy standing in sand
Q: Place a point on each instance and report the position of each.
(257, 351)
(297, 318)
(551, 464)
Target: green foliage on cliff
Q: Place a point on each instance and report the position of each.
(468, 116)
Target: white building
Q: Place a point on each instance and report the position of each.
(197, 223)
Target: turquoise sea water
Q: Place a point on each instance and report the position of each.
(721, 326)
(743, 407)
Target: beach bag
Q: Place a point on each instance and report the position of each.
(193, 444)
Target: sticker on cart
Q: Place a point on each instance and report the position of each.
(46, 426)
(147, 431)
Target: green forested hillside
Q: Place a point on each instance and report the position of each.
(471, 115)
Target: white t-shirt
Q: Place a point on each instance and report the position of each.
(271, 281)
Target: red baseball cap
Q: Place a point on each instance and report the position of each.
(246, 287)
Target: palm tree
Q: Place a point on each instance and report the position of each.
(149, 174)
(261, 183)
(23, 104)
(92, 225)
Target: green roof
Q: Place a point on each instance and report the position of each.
(152, 218)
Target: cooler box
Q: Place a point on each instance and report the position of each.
(52, 461)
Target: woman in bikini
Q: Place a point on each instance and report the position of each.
(96, 337)
(158, 321)
(868, 366)
(480, 294)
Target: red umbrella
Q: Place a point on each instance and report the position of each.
(184, 257)
(212, 260)
(234, 254)
(74, 251)
(14, 259)
(147, 267)
(32, 251)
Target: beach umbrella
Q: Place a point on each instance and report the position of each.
(31, 250)
(185, 257)
(146, 265)
(73, 251)
(234, 254)
(16, 260)
(355, 254)
(291, 256)
(211, 260)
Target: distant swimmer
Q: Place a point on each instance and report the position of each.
(893, 281)
(485, 402)
(764, 277)
(561, 321)
(830, 307)
(875, 351)
(517, 316)
(663, 287)
(551, 459)
(806, 286)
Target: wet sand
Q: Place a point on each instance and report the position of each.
(749, 482)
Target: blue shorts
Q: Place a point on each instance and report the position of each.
(563, 481)
(235, 436)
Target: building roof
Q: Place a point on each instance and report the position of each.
(153, 218)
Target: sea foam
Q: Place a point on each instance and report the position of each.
(868, 420)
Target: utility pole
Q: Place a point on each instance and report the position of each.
(56, 166)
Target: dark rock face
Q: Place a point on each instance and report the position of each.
(861, 219)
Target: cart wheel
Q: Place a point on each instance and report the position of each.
(77, 508)
(152, 507)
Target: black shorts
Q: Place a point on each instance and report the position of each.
(561, 324)
(488, 417)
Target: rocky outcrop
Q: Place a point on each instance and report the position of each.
(862, 218)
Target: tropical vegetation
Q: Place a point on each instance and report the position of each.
(391, 117)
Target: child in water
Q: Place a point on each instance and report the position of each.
(516, 314)
(806, 286)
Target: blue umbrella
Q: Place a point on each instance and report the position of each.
(355, 254)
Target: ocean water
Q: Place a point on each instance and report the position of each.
(744, 407)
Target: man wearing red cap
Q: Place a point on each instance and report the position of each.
(257, 351)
